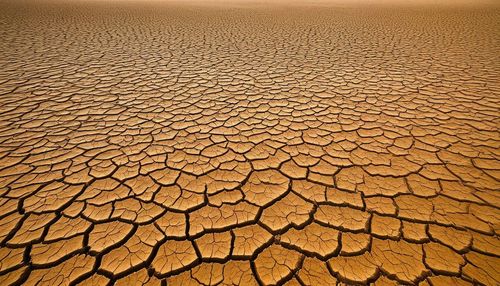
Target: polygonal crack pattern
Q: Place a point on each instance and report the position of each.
(211, 146)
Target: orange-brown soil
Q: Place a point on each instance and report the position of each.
(212, 145)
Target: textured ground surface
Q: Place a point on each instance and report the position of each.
(249, 146)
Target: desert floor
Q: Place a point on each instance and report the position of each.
(189, 144)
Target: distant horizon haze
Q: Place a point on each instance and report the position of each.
(300, 3)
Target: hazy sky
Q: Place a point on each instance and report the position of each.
(307, 2)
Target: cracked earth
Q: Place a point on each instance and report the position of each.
(224, 146)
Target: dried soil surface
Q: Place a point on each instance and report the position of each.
(241, 146)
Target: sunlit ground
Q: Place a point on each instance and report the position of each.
(249, 143)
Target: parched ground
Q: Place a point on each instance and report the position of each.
(189, 145)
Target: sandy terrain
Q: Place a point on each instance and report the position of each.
(215, 145)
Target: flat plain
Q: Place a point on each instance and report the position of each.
(169, 144)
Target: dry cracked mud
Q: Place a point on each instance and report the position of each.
(189, 145)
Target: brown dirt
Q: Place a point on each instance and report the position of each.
(221, 145)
